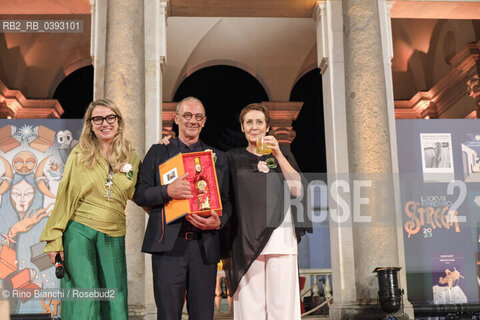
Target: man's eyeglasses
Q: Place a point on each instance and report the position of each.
(188, 116)
(98, 120)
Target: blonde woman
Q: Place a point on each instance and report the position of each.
(87, 225)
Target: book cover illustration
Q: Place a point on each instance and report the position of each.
(437, 157)
(448, 279)
(471, 158)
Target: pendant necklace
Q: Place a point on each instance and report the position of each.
(108, 184)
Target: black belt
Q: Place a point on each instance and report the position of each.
(190, 235)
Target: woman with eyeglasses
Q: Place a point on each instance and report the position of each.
(87, 225)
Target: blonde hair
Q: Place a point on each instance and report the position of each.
(90, 146)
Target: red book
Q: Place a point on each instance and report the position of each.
(25, 283)
(7, 142)
(45, 139)
(7, 261)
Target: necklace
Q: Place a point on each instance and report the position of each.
(108, 184)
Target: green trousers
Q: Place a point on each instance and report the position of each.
(94, 260)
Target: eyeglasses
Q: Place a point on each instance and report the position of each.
(188, 116)
(98, 120)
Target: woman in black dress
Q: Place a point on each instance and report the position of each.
(262, 265)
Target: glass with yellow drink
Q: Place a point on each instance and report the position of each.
(262, 147)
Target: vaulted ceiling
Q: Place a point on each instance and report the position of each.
(466, 9)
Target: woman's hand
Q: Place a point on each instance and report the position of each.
(53, 254)
(30, 220)
(165, 140)
(292, 177)
(272, 143)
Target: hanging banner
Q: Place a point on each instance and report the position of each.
(439, 164)
(33, 153)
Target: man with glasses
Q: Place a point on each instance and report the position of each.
(186, 251)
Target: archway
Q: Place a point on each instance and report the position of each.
(224, 91)
(75, 92)
(309, 150)
(309, 143)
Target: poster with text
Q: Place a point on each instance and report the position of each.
(448, 281)
(440, 201)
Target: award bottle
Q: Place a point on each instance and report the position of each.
(201, 187)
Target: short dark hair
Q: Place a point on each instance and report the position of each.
(189, 99)
(255, 106)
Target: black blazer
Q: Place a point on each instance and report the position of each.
(159, 236)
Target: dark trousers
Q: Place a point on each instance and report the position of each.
(179, 271)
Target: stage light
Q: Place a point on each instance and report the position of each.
(389, 295)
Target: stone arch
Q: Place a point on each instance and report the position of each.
(461, 31)
(85, 62)
(217, 62)
(75, 92)
(309, 125)
(224, 91)
(310, 62)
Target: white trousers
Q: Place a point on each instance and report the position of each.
(269, 290)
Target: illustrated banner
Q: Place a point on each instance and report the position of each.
(439, 164)
(33, 153)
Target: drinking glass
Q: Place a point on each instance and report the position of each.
(262, 147)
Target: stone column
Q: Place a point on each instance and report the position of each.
(387, 52)
(354, 51)
(155, 61)
(125, 84)
(329, 27)
(97, 45)
(155, 13)
(375, 241)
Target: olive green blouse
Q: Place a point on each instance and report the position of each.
(81, 198)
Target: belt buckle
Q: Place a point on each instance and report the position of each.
(189, 235)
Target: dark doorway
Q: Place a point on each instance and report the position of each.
(224, 91)
(75, 93)
(309, 144)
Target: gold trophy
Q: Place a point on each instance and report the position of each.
(201, 187)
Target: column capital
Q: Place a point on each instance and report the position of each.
(473, 87)
(473, 90)
(319, 10)
(281, 116)
(168, 112)
(320, 16)
(386, 25)
(165, 6)
(389, 4)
